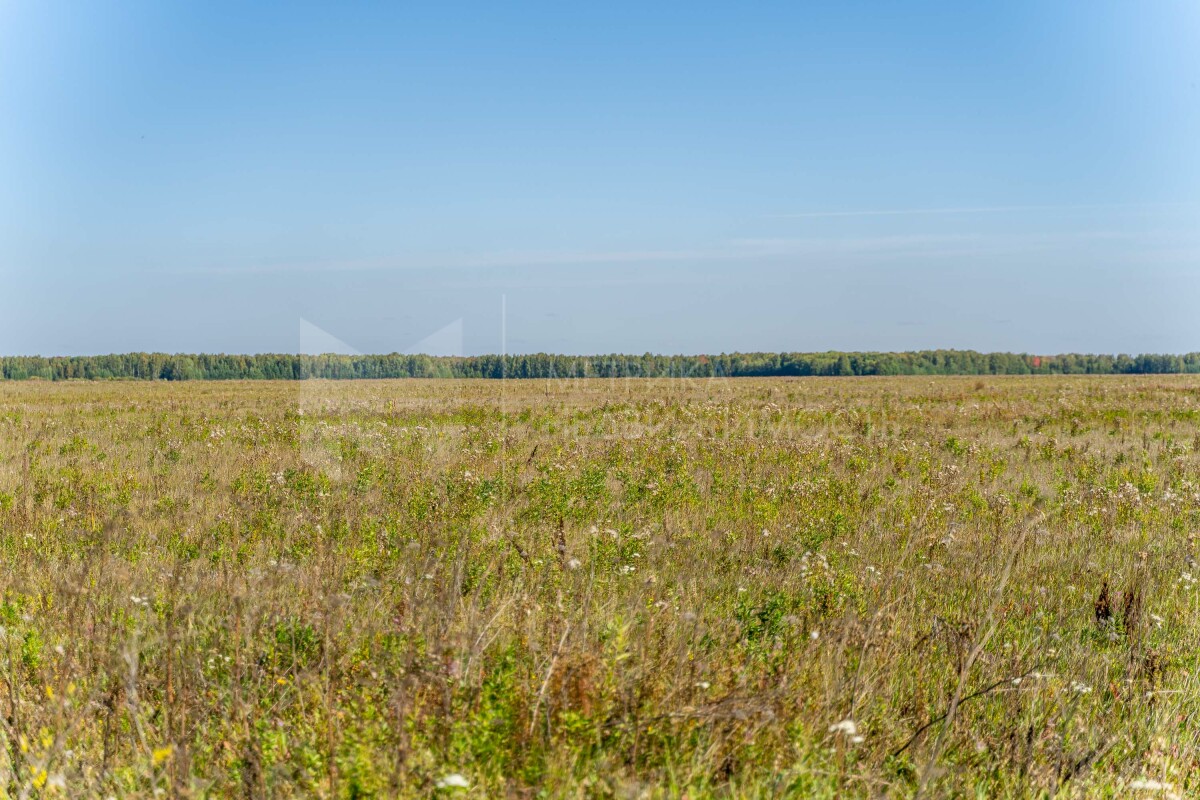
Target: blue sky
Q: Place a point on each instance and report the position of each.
(618, 177)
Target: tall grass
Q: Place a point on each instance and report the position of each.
(728, 588)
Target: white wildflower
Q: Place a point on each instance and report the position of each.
(1149, 785)
(846, 727)
(453, 781)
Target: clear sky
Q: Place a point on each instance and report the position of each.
(618, 177)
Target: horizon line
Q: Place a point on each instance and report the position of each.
(396, 353)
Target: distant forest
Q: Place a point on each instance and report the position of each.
(163, 366)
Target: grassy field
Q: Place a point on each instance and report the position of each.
(749, 588)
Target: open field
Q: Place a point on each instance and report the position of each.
(607, 588)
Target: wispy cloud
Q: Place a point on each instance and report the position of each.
(797, 251)
(904, 212)
(732, 250)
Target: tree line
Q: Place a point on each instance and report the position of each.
(177, 367)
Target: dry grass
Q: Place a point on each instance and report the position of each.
(600, 588)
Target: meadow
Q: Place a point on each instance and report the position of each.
(635, 588)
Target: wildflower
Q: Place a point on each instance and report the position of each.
(1148, 785)
(814, 635)
(702, 684)
(574, 563)
(845, 727)
(453, 781)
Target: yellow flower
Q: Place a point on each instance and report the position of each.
(161, 754)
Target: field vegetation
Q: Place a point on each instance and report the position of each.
(750, 588)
